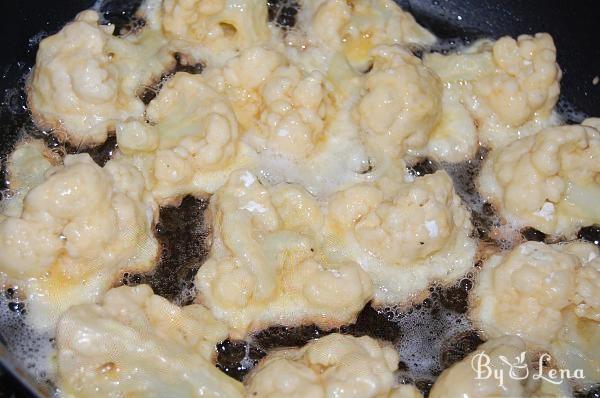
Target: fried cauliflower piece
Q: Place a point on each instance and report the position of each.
(303, 127)
(592, 122)
(86, 81)
(282, 108)
(461, 380)
(333, 366)
(25, 169)
(136, 343)
(549, 296)
(402, 102)
(406, 235)
(77, 232)
(405, 391)
(509, 87)
(353, 28)
(549, 181)
(454, 138)
(293, 122)
(290, 120)
(191, 142)
(215, 29)
(266, 266)
(243, 78)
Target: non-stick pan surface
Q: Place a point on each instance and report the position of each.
(573, 24)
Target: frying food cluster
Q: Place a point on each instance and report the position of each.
(302, 138)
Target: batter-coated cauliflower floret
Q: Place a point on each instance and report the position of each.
(509, 86)
(266, 266)
(402, 102)
(544, 294)
(86, 81)
(517, 378)
(576, 347)
(25, 169)
(549, 181)
(293, 121)
(220, 27)
(592, 122)
(289, 118)
(587, 299)
(405, 236)
(454, 138)
(405, 391)
(135, 343)
(355, 27)
(78, 231)
(191, 143)
(526, 81)
(242, 79)
(332, 366)
(282, 107)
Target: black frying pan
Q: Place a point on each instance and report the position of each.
(573, 24)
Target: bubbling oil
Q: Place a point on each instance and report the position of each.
(283, 12)
(429, 336)
(183, 237)
(33, 352)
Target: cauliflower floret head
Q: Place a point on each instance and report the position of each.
(526, 80)
(28, 163)
(25, 168)
(418, 222)
(291, 120)
(266, 266)
(406, 237)
(544, 294)
(78, 230)
(332, 366)
(295, 110)
(576, 347)
(220, 25)
(282, 107)
(533, 282)
(244, 76)
(550, 181)
(191, 143)
(137, 343)
(190, 116)
(402, 102)
(509, 87)
(85, 80)
(587, 299)
(454, 138)
(74, 88)
(355, 27)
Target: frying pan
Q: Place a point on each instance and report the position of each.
(573, 24)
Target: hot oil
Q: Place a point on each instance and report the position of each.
(182, 234)
(33, 351)
(283, 12)
(120, 13)
(431, 331)
(567, 112)
(148, 93)
(429, 336)
(237, 358)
